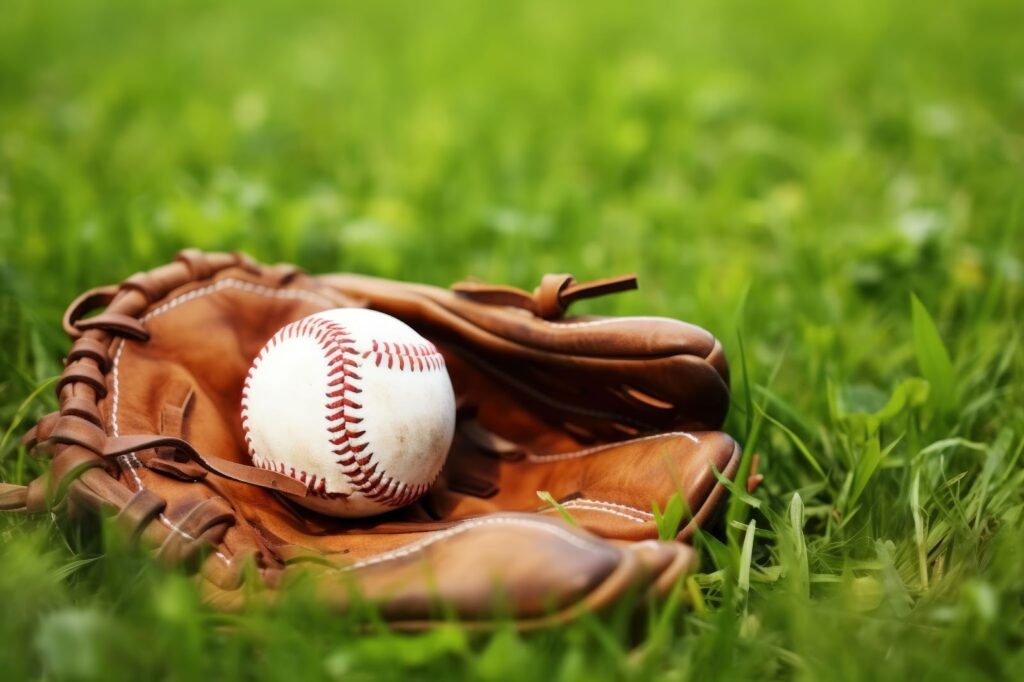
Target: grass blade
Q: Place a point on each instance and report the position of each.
(546, 497)
(868, 464)
(668, 521)
(746, 559)
(932, 358)
(795, 559)
(19, 414)
(800, 446)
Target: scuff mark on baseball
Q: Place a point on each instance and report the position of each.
(353, 403)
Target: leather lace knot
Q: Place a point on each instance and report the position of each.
(551, 299)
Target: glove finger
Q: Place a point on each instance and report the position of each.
(522, 568)
(665, 562)
(612, 376)
(610, 489)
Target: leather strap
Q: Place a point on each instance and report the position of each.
(572, 291)
(35, 501)
(172, 412)
(100, 297)
(71, 430)
(78, 406)
(495, 294)
(142, 508)
(85, 373)
(183, 471)
(93, 349)
(197, 263)
(77, 431)
(115, 323)
(202, 525)
(264, 478)
(40, 432)
(754, 479)
(145, 285)
(68, 465)
(21, 498)
(30, 438)
(283, 273)
(13, 497)
(551, 299)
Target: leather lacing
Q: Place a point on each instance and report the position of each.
(74, 436)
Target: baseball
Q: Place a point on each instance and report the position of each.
(354, 404)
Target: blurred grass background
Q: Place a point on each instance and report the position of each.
(785, 174)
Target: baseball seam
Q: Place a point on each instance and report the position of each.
(356, 460)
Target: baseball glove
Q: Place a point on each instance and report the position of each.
(609, 416)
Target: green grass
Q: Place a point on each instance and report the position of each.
(835, 191)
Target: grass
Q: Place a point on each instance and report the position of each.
(835, 191)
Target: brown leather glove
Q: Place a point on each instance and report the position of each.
(608, 415)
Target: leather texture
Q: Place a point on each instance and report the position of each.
(608, 415)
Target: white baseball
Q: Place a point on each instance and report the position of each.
(353, 403)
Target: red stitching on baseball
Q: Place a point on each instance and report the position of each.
(336, 343)
(413, 357)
